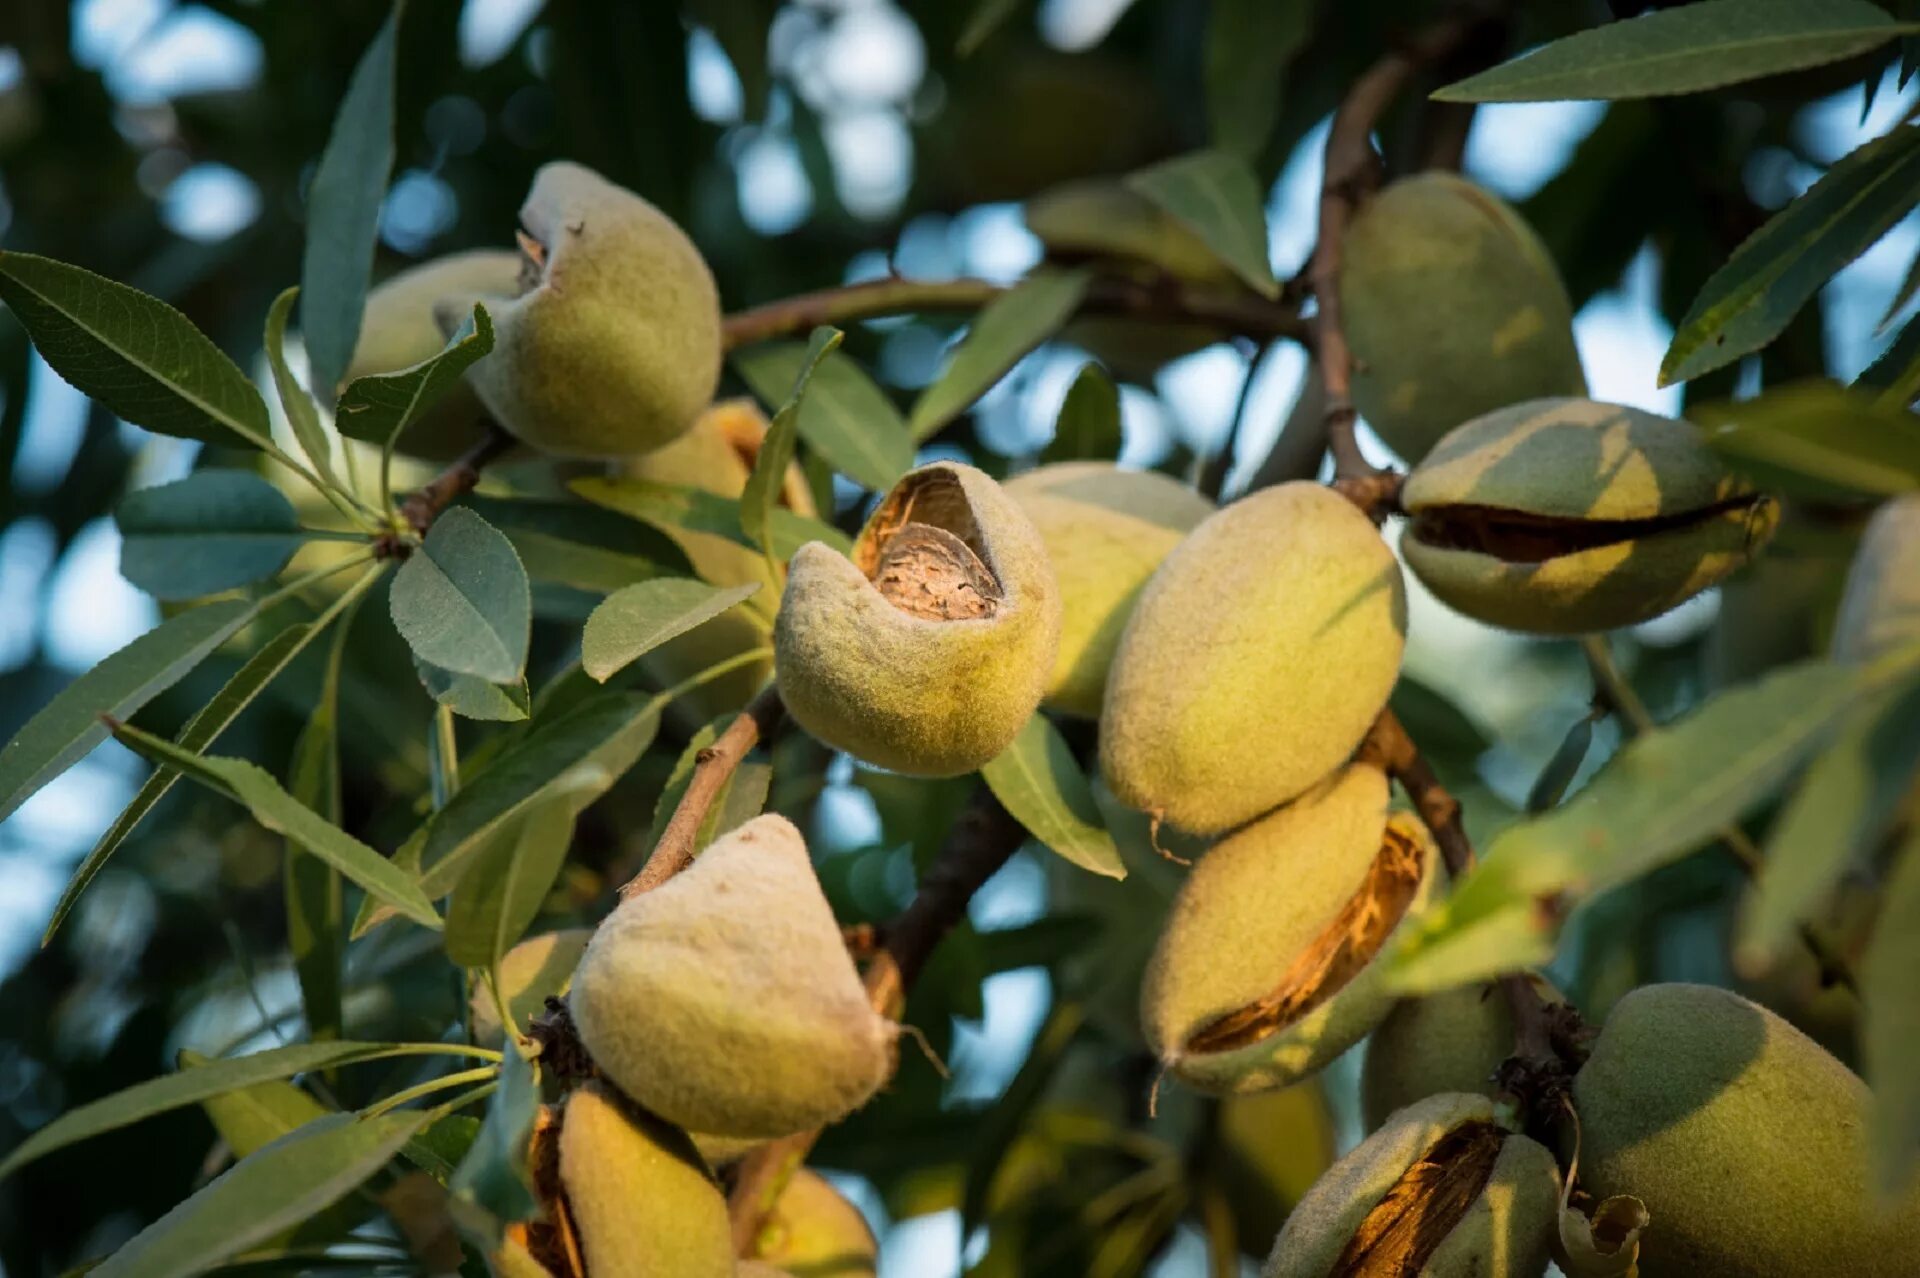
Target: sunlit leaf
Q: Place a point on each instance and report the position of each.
(1686, 49)
(638, 619)
(462, 602)
(675, 507)
(1041, 784)
(1006, 329)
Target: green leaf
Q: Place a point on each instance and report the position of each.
(198, 733)
(1004, 331)
(494, 1176)
(1663, 795)
(382, 406)
(1250, 44)
(294, 399)
(1895, 375)
(264, 1193)
(1698, 46)
(472, 697)
(135, 355)
(1088, 428)
(1039, 782)
(1551, 784)
(582, 567)
(1848, 799)
(638, 619)
(1816, 440)
(343, 212)
(501, 892)
(671, 507)
(846, 418)
(1747, 302)
(580, 753)
(190, 1087)
(1890, 1029)
(762, 495)
(1218, 198)
(70, 725)
(251, 1118)
(212, 531)
(252, 786)
(462, 602)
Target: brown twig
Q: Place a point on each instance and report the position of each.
(713, 767)
(982, 840)
(425, 503)
(1164, 300)
(1353, 171)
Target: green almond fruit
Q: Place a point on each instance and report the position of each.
(539, 968)
(725, 1000)
(1452, 1041)
(1106, 530)
(1565, 516)
(813, 1230)
(1453, 308)
(1746, 1141)
(614, 349)
(1444, 1190)
(511, 1259)
(641, 1201)
(1880, 609)
(398, 329)
(1279, 620)
(1264, 971)
(928, 651)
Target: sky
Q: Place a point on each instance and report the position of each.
(862, 72)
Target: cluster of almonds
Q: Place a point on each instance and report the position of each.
(1235, 660)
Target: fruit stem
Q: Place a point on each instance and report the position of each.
(424, 505)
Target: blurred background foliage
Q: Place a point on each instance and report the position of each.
(805, 144)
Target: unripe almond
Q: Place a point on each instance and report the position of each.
(614, 348)
(1746, 1141)
(812, 1230)
(1279, 621)
(1265, 970)
(928, 651)
(1563, 516)
(1880, 611)
(725, 1000)
(398, 329)
(1453, 308)
(1452, 1041)
(641, 1202)
(1106, 530)
(1444, 1190)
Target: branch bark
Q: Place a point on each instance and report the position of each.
(982, 840)
(713, 768)
(425, 504)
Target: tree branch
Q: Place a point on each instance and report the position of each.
(1162, 300)
(982, 840)
(713, 767)
(425, 504)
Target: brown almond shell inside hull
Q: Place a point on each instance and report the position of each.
(1520, 537)
(1416, 1214)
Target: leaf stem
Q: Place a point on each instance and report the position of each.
(300, 583)
(428, 1088)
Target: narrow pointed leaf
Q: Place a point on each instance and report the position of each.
(501, 892)
(1552, 783)
(1250, 45)
(343, 212)
(762, 495)
(70, 725)
(462, 601)
(294, 399)
(1041, 784)
(198, 733)
(250, 1118)
(494, 1176)
(383, 405)
(1891, 1023)
(1704, 45)
(1747, 302)
(212, 531)
(672, 507)
(1218, 198)
(191, 1086)
(253, 787)
(1004, 331)
(135, 355)
(1088, 428)
(295, 1177)
(638, 619)
(846, 418)
(1816, 440)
